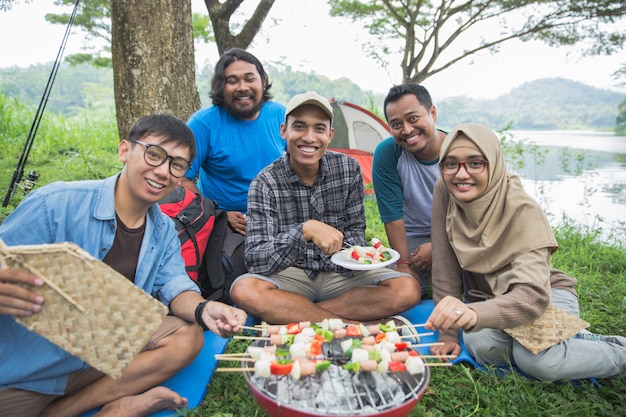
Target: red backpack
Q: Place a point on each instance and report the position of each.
(213, 256)
(194, 217)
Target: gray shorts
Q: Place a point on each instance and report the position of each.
(328, 285)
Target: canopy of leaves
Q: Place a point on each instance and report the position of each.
(428, 34)
(94, 17)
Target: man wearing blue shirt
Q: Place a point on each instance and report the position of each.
(404, 171)
(117, 221)
(236, 137)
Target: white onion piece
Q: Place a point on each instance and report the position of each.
(298, 350)
(360, 355)
(335, 324)
(295, 370)
(262, 369)
(255, 352)
(393, 337)
(414, 365)
(308, 332)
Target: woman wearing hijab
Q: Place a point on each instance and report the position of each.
(492, 246)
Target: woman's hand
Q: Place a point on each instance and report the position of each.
(449, 347)
(451, 313)
(16, 300)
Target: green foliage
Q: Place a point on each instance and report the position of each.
(76, 89)
(542, 104)
(63, 149)
(545, 104)
(428, 35)
(620, 120)
(93, 17)
(202, 29)
(286, 83)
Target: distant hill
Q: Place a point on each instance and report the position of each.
(546, 104)
(551, 103)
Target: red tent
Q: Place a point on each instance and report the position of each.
(357, 133)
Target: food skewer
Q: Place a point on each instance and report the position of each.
(240, 337)
(246, 357)
(252, 369)
(412, 336)
(406, 326)
(426, 344)
(254, 329)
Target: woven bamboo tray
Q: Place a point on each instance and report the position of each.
(552, 327)
(90, 310)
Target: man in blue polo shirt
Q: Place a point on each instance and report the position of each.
(404, 172)
(236, 137)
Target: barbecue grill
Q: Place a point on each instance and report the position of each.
(337, 392)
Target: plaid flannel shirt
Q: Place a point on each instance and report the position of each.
(279, 203)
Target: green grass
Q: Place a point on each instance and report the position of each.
(462, 391)
(86, 147)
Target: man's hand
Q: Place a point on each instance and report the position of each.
(223, 319)
(16, 300)
(237, 221)
(329, 239)
(407, 269)
(423, 257)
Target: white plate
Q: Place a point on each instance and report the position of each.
(340, 258)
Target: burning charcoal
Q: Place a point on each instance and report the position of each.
(291, 392)
(368, 379)
(333, 391)
(365, 384)
(337, 390)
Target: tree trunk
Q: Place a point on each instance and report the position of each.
(153, 60)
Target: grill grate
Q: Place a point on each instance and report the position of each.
(338, 392)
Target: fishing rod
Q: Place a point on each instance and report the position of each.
(29, 183)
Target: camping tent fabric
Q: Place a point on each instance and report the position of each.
(357, 133)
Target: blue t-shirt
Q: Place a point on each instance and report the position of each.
(404, 187)
(231, 152)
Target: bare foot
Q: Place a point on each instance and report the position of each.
(151, 401)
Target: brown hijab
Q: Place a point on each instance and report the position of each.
(504, 222)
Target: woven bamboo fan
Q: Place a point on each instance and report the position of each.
(91, 310)
(552, 327)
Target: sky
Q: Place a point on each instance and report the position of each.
(300, 33)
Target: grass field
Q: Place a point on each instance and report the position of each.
(86, 147)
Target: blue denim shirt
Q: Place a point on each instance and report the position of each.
(82, 212)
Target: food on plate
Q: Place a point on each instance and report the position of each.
(374, 254)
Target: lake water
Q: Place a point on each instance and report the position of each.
(579, 174)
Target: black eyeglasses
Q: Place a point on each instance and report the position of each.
(156, 156)
(473, 166)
